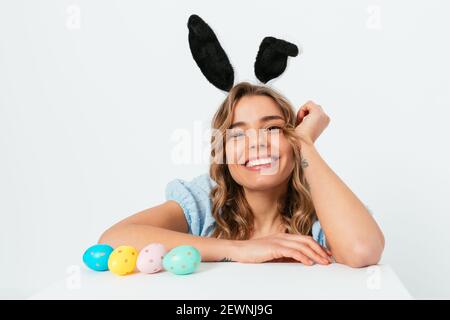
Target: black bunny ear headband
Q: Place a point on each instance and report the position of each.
(212, 60)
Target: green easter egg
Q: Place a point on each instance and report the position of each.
(182, 260)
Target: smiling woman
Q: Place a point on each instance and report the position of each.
(267, 195)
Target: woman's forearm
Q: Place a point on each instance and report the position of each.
(351, 232)
(138, 236)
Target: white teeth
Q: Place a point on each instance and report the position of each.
(258, 162)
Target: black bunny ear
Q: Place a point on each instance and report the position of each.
(272, 58)
(209, 55)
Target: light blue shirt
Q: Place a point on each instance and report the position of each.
(193, 197)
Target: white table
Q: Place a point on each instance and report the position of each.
(231, 280)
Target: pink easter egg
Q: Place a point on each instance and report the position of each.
(150, 258)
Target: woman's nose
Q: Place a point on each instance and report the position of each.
(258, 142)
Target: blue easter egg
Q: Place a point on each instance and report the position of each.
(182, 260)
(96, 257)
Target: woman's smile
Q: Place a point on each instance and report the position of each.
(258, 163)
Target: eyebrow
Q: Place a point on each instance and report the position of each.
(263, 119)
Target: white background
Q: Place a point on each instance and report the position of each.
(92, 91)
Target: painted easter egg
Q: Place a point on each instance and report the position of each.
(96, 257)
(122, 260)
(182, 260)
(150, 258)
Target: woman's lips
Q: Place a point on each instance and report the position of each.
(259, 167)
(261, 163)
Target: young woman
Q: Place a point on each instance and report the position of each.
(269, 195)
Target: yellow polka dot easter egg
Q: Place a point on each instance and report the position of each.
(122, 260)
(182, 260)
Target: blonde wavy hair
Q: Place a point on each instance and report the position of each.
(233, 214)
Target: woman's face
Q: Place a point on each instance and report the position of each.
(258, 154)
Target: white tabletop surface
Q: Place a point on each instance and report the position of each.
(231, 280)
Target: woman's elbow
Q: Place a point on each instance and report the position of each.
(104, 238)
(365, 254)
(110, 236)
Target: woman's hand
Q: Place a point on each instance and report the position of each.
(311, 121)
(281, 246)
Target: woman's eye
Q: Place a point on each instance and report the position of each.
(236, 134)
(273, 128)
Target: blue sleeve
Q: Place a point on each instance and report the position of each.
(193, 198)
(318, 234)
